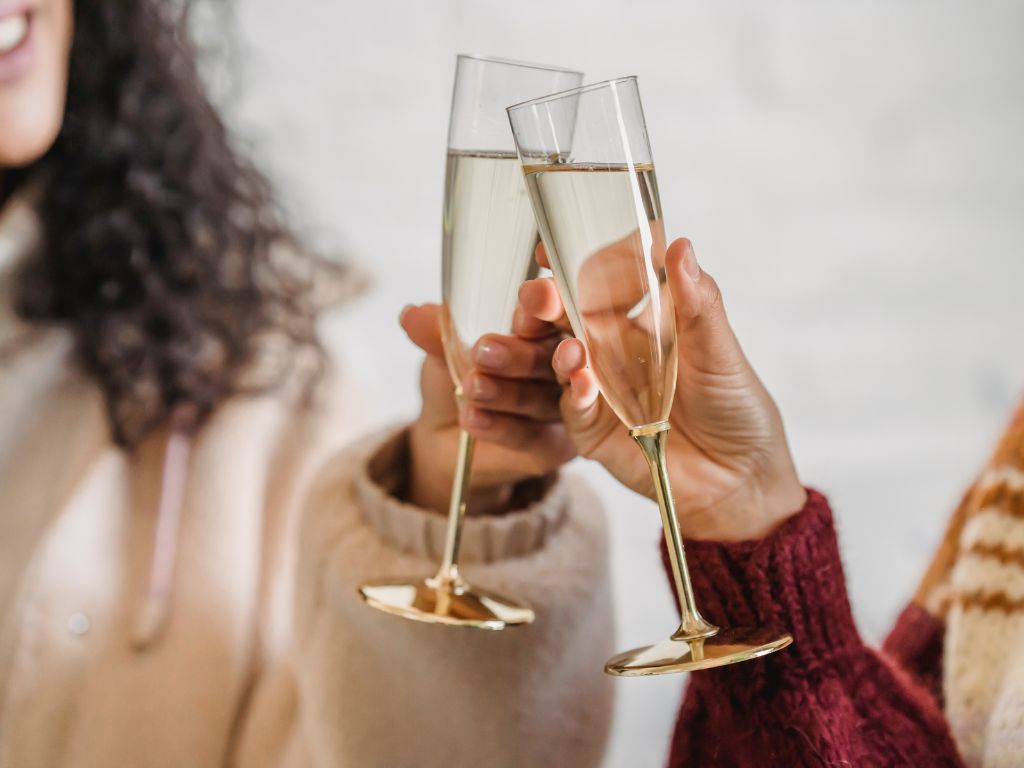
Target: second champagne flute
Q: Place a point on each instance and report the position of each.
(489, 236)
(590, 173)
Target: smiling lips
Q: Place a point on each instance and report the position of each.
(13, 31)
(16, 41)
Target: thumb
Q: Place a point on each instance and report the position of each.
(423, 325)
(583, 409)
(705, 338)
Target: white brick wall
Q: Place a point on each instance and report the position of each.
(853, 174)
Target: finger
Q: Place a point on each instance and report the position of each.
(540, 299)
(583, 389)
(509, 431)
(581, 399)
(526, 326)
(515, 358)
(570, 357)
(536, 400)
(438, 393)
(540, 255)
(423, 326)
(581, 405)
(706, 341)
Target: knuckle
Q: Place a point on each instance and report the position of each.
(518, 436)
(538, 359)
(519, 397)
(566, 453)
(713, 295)
(552, 397)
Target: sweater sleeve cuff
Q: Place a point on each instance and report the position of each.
(791, 580)
(916, 644)
(379, 483)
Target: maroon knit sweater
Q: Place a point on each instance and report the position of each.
(828, 699)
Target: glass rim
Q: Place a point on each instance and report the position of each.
(516, 63)
(570, 92)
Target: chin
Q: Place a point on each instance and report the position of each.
(25, 141)
(35, 42)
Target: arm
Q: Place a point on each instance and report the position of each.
(376, 690)
(762, 551)
(826, 700)
(373, 689)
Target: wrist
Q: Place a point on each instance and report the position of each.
(751, 512)
(432, 471)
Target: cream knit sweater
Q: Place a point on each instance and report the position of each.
(975, 586)
(269, 658)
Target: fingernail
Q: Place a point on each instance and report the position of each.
(490, 354)
(575, 355)
(477, 419)
(690, 263)
(483, 388)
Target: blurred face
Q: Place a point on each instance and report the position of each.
(35, 41)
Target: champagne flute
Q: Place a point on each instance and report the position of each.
(489, 236)
(590, 174)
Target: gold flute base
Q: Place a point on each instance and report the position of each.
(444, 602)
(726, 647)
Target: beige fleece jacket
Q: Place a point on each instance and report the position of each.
(269, 658)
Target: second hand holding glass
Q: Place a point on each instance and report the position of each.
(590, 174)
(489, 239)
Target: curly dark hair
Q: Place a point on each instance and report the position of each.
(163, 250)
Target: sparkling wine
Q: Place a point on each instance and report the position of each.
(603, 230)
(489, 238)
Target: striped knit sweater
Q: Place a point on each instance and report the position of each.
(947, 689)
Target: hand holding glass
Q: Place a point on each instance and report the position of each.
(489, 236)
(590, 174)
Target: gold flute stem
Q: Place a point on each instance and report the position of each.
(448, 573)
(652, 439)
